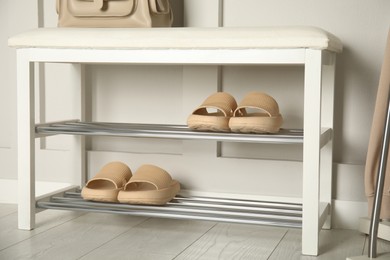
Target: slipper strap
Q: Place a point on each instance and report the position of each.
(154, 175)
(222, 101)
(116, 172)
(258, 100)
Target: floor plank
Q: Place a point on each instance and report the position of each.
(334, 244)
(45, 220)
(164, 238)
(7, 209)
(77, 235)
(72, 239)
(235, 241)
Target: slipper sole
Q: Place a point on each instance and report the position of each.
(100, 195)
(208, 123)
(150, 197)
(255, 124)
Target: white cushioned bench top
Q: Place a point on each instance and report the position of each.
(178, 38)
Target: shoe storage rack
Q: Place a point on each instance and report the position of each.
(312, 48)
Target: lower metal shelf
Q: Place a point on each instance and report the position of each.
(195, 208)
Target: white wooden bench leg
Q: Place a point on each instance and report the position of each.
(26, 141)
(79, 152)
(328, 82)
(311, 152)
(326, 181)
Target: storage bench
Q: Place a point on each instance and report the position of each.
(311, 47)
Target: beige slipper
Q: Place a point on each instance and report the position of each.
(265, 117)
(107, 183)
(149, 185)
(204, 120)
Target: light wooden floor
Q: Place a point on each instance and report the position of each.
(76, 235)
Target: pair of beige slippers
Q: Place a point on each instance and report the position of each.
(115, 182)
(256, 113)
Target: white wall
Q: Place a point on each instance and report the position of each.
(168, 94)
(362, 26)
(9, 25)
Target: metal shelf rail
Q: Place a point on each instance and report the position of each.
(195, 208)
(285, 136)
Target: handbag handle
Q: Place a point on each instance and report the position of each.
(97, 4)
(159, 6)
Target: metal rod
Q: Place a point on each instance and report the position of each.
(228, 201)
(216, 203)
(280, 211)
(253, 203)
(223, 203)
(375, 216)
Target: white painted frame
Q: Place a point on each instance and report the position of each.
(318, 115)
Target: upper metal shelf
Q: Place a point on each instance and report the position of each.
(285, 136)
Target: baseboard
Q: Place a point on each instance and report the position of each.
(8, 189)
(346, 214)
(383, 228)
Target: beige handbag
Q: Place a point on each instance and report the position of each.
(114, 13)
